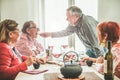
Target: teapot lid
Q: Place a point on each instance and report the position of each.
(71, 63)
(70, 55)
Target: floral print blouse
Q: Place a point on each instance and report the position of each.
(26, 44)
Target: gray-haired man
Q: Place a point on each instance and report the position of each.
(85, 28)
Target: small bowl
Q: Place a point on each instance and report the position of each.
(89, 63)
(36, 65)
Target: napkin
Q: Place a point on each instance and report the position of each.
(33, 72)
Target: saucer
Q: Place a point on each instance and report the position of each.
(61, 77)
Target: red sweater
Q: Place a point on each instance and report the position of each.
(10, 66)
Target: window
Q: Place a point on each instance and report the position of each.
(55, 20)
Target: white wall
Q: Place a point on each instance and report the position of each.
(0, 10)
(19, 10)
(109, 10)
(23, 10)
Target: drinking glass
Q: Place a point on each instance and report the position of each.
(64, 48)
(49, 54)
(56, 53)
(50, 47)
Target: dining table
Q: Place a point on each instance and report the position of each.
(51, 71)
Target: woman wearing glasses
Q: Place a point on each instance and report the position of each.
(11, 62)
(27, 43)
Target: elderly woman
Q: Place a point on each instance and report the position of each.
(27, 44)
(11, 62)
(109, 31)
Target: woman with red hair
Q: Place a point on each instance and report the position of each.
(109, 31)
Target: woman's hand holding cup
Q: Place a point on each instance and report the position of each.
(41, 60)
(30, 60)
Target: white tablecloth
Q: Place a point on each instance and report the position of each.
(52, 68)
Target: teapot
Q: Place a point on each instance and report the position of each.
(72, 69)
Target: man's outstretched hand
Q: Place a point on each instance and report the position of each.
(45, 34)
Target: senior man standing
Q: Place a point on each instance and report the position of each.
(85, 28)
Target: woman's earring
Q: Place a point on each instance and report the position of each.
(103, 42)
